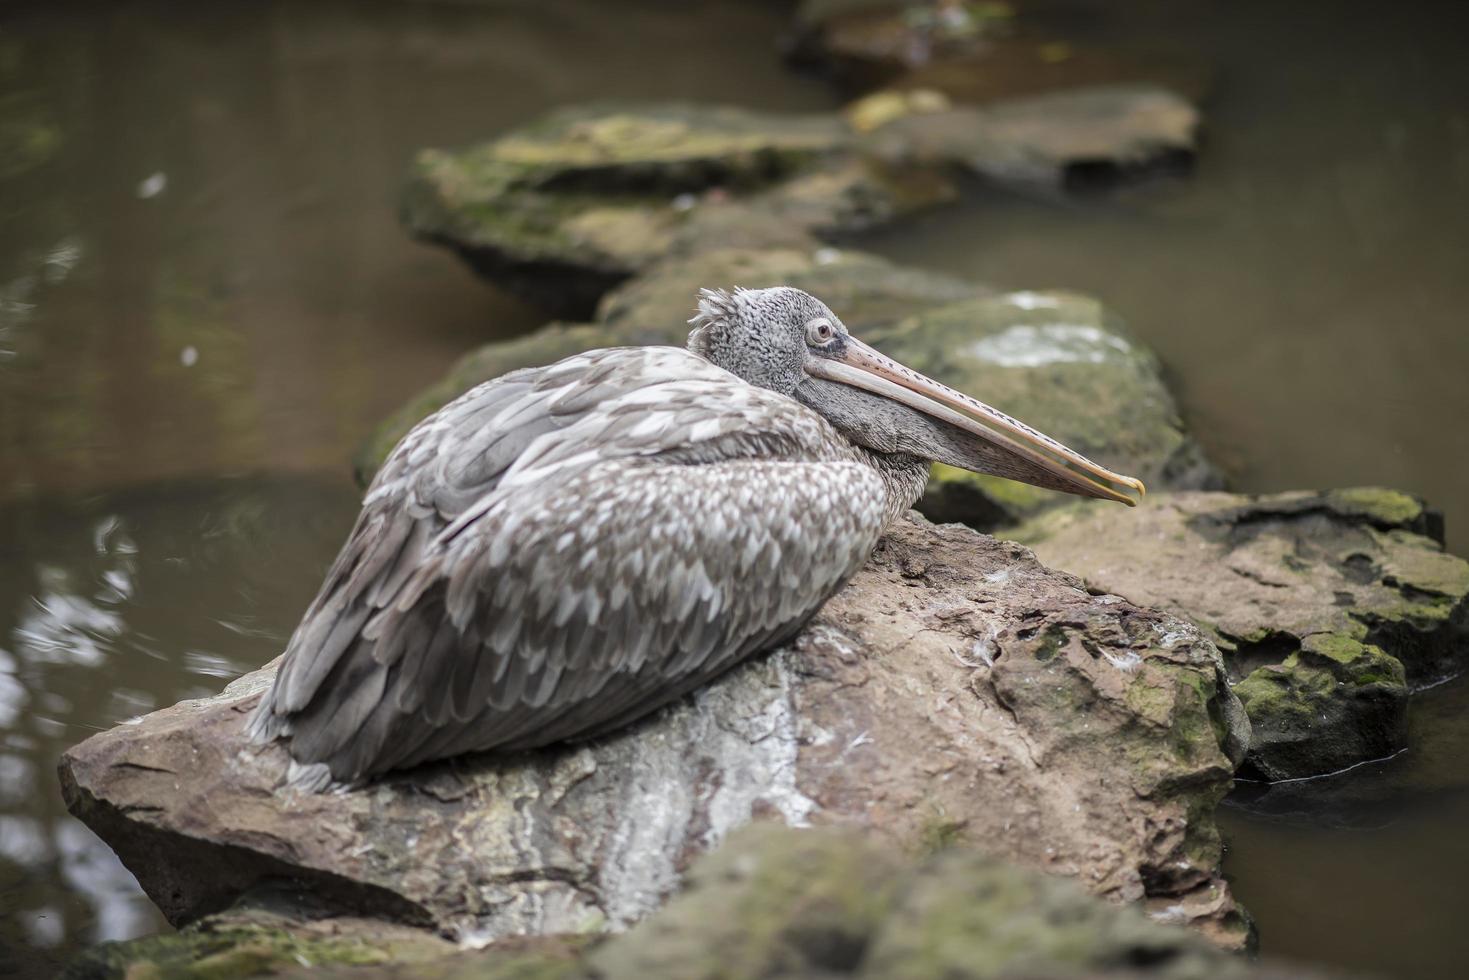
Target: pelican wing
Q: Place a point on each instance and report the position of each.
(563, 550)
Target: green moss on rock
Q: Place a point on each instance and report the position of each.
(1334, 703)
(1064, 364)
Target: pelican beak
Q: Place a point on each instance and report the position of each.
(991, 441)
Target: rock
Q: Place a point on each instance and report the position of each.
(955, 690)
(569, 206)
(1064, 364)
(974, 54)
(1061, 139)
(776, 902)
(869, 293)
(1329, 605)
(654, 308)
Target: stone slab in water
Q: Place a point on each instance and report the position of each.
(955, 690)
(1329, 605)
(1064, 364)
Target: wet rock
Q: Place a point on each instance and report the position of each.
(1064, 364)
(267, 933)
(775, 902)
(869, 293)
(955, 690)
(1330, 606)
(1064, 139)
(974, 53)
(571, 205)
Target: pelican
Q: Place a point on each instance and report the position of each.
(564, 549)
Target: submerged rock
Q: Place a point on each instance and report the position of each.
(1329, 606)
(955, 690)
(1064, 364)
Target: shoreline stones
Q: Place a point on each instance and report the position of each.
(771, 902)
(956, 689)
(1330, 607)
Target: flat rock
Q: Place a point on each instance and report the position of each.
(955, 690)
(1330, 606)
(571, 205)
(771, 902)
(974, 53)
(1065, 364)
(1082, 136)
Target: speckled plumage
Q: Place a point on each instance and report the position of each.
(563, 549)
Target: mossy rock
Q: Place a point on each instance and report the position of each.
(1064, 364)
(1329, 606)
(1333, 703)
(253, 942)
(870, 294)
(782, 903)
(570, 205)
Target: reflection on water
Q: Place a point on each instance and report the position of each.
(202, 275)
(201, 269)
(1306, 286)
(111, 606)
(1365, 869)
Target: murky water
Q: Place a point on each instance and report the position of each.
(202, 276)
(1307, 288)
(205, 302)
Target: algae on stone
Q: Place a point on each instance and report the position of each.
(1330, 606)
(1064, 364)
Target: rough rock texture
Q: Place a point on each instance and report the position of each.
(1329, 605)
(573, 204)
(570, 206)
(1062, 363)
(956, 689)
(267, 932)
(775, 902)
(869, 293)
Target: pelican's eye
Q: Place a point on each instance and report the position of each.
(820, 332)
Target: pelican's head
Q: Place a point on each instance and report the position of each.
(787, 340)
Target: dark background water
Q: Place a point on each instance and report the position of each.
(205, 302)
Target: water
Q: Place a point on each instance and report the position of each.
(205, 302)
(1307, 288)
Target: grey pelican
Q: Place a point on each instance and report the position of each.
(564, 549)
